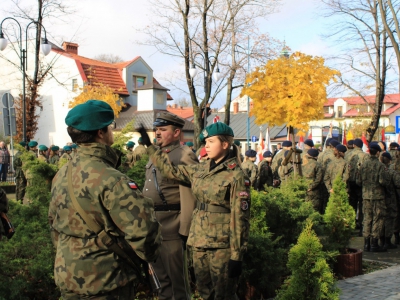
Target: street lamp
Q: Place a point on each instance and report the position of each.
(216, 75)
(45, 47)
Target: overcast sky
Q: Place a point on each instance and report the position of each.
(110, 26)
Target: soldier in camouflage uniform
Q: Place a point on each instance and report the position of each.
(3, 209)
(391, 204)
(139, 151)
(373, 178)
(42, 153)
(20, 180)
(277, 159)
(396, 166)
(249, 168)
(265, 176)
(285, 171)
(220, 224)
(54, 157)
(393, 150)
(66, 157)
(84, 266)
(335, 167)
(312, 171)
(308, 144)
(350, 147)
(129, 162)
(33, 147)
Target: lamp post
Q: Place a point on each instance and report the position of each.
(193, 72)
(45, 47)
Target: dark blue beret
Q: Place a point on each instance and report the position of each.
(309, 142)
(375, 146)
(218, 128)
(341, 148)
(328, 141)
(350, 142)
(287, 144)
(358, 143)
(313, 152)
(250, 153)
(387, 154)
(334, 143)
(91, 115)
(394, 145)
(267, 154)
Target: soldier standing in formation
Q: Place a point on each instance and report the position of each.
(277, 159)
(396, 167)
(220, 224)
(191, 145)
(372, 178)
(33, 147)
(335, 167)
(139, 151)
(20, 180)
(129, 162)
(54, 157)
(350, 147)
(85, 267)
(312, 170)
(248, 166)
(308, 144)
(42, 153)
(393, 151)
(265, 176)
(173, 203)
(323, 159)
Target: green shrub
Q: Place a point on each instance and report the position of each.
(311, 278)
(138, 171)
(339, 218)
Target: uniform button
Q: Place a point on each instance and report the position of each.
(147, 189)
(149, 179)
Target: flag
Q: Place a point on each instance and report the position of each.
(301, 143)
(349, 136)
(310, 135)
(260, 149)
(216, 119)
(268, 145)
(365, 146)
(383, 135)
(328, 136)
(344, 140)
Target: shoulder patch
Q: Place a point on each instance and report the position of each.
(232, 166)
(244, 205)
(132, 185)
(247, 182)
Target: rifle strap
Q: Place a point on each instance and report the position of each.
(93, 226)
(160, 193)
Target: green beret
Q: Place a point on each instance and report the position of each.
(91, 115)
(32, 144)
(74, 146)
(43, 148)
(23, 144)
(130, 144)
(218, 128)
(166, 118)
(140, 140)
(67, 148)
(189, 144)
(55, 148)
(237, 143)
(154, 140)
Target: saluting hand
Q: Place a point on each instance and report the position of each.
(144, 135)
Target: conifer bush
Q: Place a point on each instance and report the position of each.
(339, 218)
(311, 278)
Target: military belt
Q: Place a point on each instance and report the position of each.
(212, 208)
(167, 207)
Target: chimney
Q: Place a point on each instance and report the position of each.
(169, 105)
(235, 107)
(175, 105)
(70, 47)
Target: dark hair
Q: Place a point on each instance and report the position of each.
(373, 151)
(79, 136)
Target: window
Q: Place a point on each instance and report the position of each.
(138, 81)
(160, 98)
(326, 109)
(340, 111)
(74, 85)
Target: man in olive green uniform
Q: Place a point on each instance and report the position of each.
(173, 203)
(350, 148)
(265, 176)
(277, 159)
(335, 167)
(129, 162)
(373, 178)
(248, 166)
(84, 266)
(139, 151)
(311, 169)
(20, 180)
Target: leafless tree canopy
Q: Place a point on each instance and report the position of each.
(110, 58)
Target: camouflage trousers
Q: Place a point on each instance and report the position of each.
(313, 197)
(374, 218)
(391, 215)
(396, 227)
(356, 201)
(211, 270)
(126, 292)
(20, 186)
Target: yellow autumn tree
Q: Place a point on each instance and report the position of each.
(289, 90)
(101, 92)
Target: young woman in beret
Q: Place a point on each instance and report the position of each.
(220, 224)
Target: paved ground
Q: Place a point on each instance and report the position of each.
(379, 285)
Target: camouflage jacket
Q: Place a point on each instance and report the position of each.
(18, 165)
(138, 152)
(372, 177)
(354, 161)
(3, 208)
(54, 159)
(42, 158)
(83, 264)
(324, 158)
(250, 169)
(312, 170)
(276, 163)
(224, 186)
(129, 162)
(348, 155)
(265, 176)
(337, 166)
(393, 155)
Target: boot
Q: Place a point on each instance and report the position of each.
(375, 247)
(388, 244)
(382, 241)
(367, 244)
(360, 233)
(396, 238)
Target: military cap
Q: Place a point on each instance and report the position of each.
(237, 143)
(334, 143)
(341, 148)
(154, 140)
(375, 146)
(218, 128)
(250, 153)
(394, 145)
(32, 144)
(309, 142)
(287, 144)
(267, 154)
(23, 144)
(43, 148)
(358, 143)
(166, 118)
(130, 144)
(67, 148)
(91, 115)
(387, 155)
(74, 146)
(313, 152)
(140, 140)
(350, 143)
(189, 144)
(55, 148)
